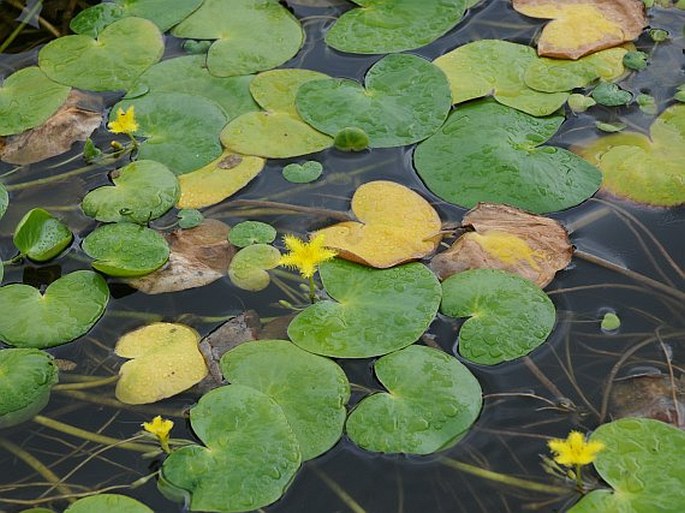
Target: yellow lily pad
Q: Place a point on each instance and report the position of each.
(396, 225)
(165, 360)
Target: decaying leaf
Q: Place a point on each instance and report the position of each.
(506, 238)
(650, 395)
(580, 27)
(73, 121)
(198, 257)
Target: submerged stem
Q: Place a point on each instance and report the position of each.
(87, 384)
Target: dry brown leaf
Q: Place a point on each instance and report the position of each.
(199, 256)
(74, 121)
(580, 27)
(652, 396)
(510, 239)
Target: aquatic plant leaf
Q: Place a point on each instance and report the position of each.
(234, 23)
(68, 308)
(250, 458)
(405, 99)
(506, 238)
(108, 503)
(644, 169)
(218, 180)
(27, 99)
(497, 68)
(189, 75)
(4, 200)
(251, 232)
(40, 236)
(306, 172)
(164, 360)
(248, 269)
(371, 311)
(311, 390)
(611, 95)
(114, 60)
(396, 225)
(126, 249)
(509, 316)
(276, 90)
(433, 399)
(487, 152)
(189, 218)
(26, 378)
(584, 26)
(143, 190)
(378, 26)
(642, 462)
(610, 322)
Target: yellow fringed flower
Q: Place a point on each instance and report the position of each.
(161, 428)
(575, 450)
(125, 123)
(305, 256)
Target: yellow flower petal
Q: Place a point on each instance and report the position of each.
(305, 256)
(125, 123)
(575, 450)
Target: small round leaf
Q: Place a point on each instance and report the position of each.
(251, 232)
(40, 236)
(303, 173)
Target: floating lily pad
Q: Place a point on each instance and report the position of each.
(306, 172)
(405, 100)
(142, 191)
(276, 90)
(26, 378)
(312, 391)
(182, 130)
(126, 249)
(250, 458)
(40, 236)
(491, 153)
(509, 315)
(189, 218)
(642, 462)
(234, 23)
(372, 312)
(378, 26)
(248, 269)
(251, 232)
(108, 503)
(67, 309)
(611, 95)
(644, 169)
(113, 61)
(433, 399)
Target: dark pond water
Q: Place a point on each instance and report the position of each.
(563, 385)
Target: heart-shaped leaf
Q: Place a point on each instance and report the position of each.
(645, 169)
(189, 218)
(248, 269)
(490, 153)
(312, 391)
(378, 26)
(126, 249)
(114, 60)
(611, 95)
(108, 503)
(164, 361)
(26, 378)
(433, 400)
(251, 232)
(396, 226)
(405, 100)
(250, 458)
(372, 312)
(509, 315)
(40, 236)
(234, 23)
(67, 309)
(303, 173)
(142, 191)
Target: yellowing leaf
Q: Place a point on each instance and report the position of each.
(395, 225)
(218, 180)
(584, 26)
(165, 361)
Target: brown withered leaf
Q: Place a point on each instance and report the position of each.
(510, 239)
(651, 396)
(199, 256)
(73, 121)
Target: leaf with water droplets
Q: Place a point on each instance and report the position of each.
(248, 269)
(41, 236)
(108, 503)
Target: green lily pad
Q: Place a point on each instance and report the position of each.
(433, 400)
(379, 26)
(249, 266)
(40, 236)
(276, 90)
(611, 95)
(490, 153)
(189, 218)
(509, 316)
(27, 99)
(163, 13)
(108, 503)
(189, 75)
(234, 23)
(312, 391)
(126, 249)
(68, 308)
(4, 200)
(610, 322)
(250, 458)
(251, 232)
(113, 61)
(182, 130)
(406, 99)
(142, 191)
(26, 378)
(642, 462)
(306, 172)
(351, 139)
(644, 169)
(372, 311)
